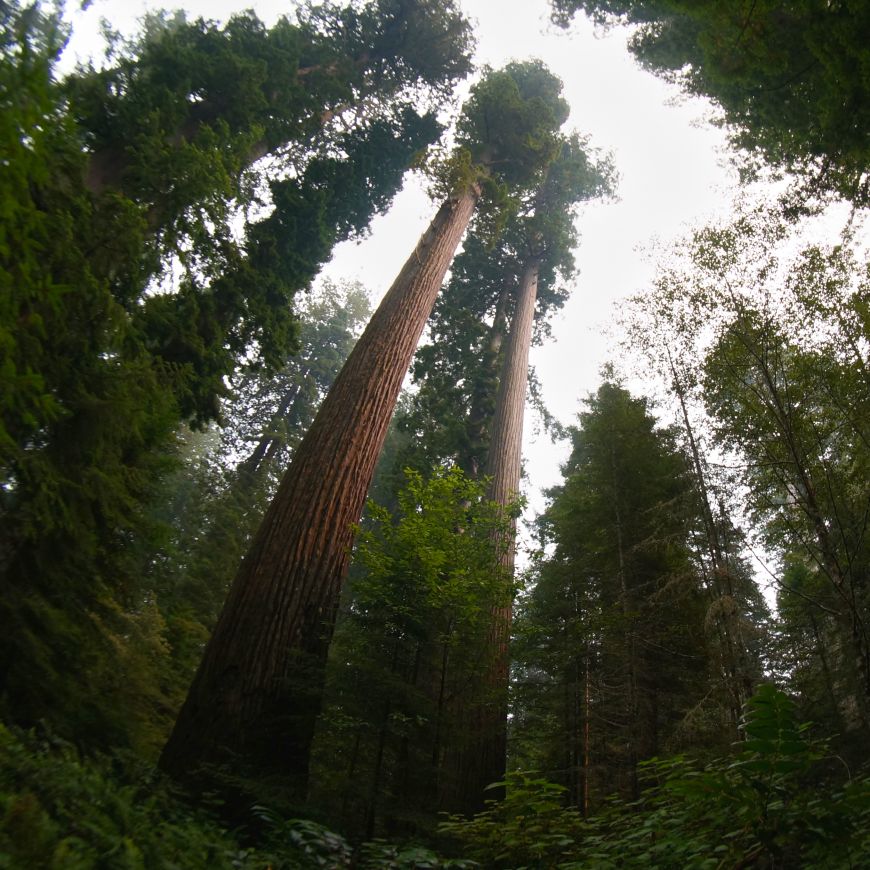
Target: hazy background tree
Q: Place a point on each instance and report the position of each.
(776, 343)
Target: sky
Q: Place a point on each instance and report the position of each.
(673, 174)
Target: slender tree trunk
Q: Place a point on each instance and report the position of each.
(484, 760)
(505, 452)
(350, 783)
(738, 678)
(630, 627)
(268, 445)
(377, 773)
(826, 672)
(586, 748)
(575, 735)
(257, 692)
(569, 726)
(439, 709)
(829, 558)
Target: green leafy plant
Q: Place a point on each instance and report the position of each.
(773, 803)
(61, 810)
(531, 827)
(381, 855)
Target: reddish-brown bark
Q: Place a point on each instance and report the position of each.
(482, 761)
(505, 452)
(256, 694)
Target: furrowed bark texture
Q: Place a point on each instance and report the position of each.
(483, 759)
(257, 692)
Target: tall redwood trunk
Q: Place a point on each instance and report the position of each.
(484, 758)
(257, 692)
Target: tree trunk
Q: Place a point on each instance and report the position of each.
(586, 752)
(630, 633)
(257, 692)
(837, 569)
(734, 654)
(484, 759)
(269, 444)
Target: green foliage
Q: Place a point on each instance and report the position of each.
(776, 801)
(128, 299)
(506, 136)
(776, 346)
(59, 809)
(770, 804)
(509, 123)
(792, 78)
(409, 651)
(530, 827)
(380, 855)
(612, 654)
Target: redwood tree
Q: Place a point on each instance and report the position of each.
(256, 695)
(113, 177)
(538, 244)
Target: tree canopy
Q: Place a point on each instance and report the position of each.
(791, 78)
(129, 297)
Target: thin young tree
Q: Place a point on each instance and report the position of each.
(776, 345)
(256, 695)
(664, 342)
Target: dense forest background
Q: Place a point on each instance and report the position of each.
(262, 599)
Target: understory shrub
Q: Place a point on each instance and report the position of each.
(779, 801)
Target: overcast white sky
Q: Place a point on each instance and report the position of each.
(672, 165)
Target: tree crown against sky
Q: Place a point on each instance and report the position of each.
(791, 78)
(458, 366)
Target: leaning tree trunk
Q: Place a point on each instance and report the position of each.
(483, 758)
(256, 695)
